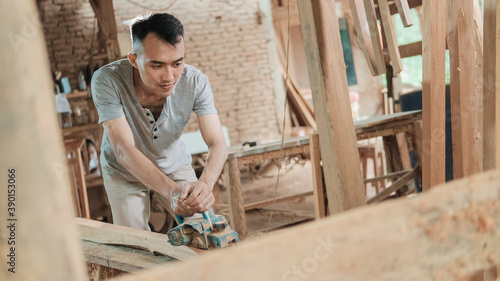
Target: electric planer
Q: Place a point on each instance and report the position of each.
(210, 230)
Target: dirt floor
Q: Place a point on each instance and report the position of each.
(258, 186)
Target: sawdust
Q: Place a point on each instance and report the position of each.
(480, 216)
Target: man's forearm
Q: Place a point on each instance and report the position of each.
(146, 172)
(217, 156)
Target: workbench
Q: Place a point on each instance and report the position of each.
(386, 126)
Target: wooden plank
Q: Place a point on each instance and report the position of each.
(468, 90)
(106, 233)
(240, 153)
(392, 154)
(264, 203)
(447, 233)
(410, 50)
(478, 44)
(404, 12)
(433, 89)
(390, 36)
(274, 154)
(76, 164)
(317, 175)
(491, 85)
(390, 131)
(455, 101)
(387, 118)
(38, 239)
(387, 176)
(122, 258)
(398, 184)
(403, 150)
(235, 194)
(376, 42)
(394, 9)
(363, 34)
(339, 152)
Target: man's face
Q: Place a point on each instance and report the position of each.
(159, 64)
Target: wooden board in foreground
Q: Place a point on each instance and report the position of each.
(37, 237)
(106, 233)
(448, 232)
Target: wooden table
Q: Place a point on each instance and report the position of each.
(386, 126)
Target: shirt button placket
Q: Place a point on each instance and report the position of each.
(152, 122)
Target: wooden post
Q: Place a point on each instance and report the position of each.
(468, 90)
(235, 194)
(456, 127)
(491, 96)
(317, 172)
(38, 238)
(337, 138)
(464, 94)
(433, 92)
(105, 15)
(491, 85)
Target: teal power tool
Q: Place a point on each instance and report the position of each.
(208, 231)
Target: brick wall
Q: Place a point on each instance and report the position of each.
(224, 39)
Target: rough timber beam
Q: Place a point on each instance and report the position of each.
(447, 233)
(433, 92)
(337, 138)
(491, 85)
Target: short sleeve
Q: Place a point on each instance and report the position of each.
(204, 99)
(106, 98)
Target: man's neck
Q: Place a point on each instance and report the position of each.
(145, 98)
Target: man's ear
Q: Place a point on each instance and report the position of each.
(132, 58)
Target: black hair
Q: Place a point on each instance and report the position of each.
(166, 26)
(89, 142)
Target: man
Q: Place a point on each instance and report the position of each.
(144, 104)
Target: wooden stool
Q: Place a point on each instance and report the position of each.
(74, 148)
(366, 152)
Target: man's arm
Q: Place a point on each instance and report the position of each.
(199, 196)
(122, 141)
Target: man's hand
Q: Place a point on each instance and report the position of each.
(197, 196)
(184, 211)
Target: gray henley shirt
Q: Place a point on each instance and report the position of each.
(114, 96)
